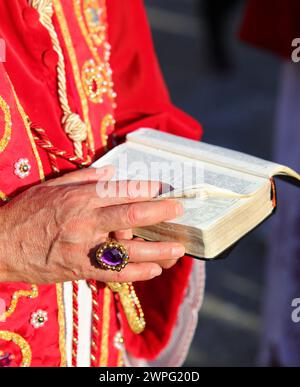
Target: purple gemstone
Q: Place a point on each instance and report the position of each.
(5, 360)
(112, 257)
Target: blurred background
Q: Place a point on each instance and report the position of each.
(231, 88)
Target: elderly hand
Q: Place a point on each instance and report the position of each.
(49, 231)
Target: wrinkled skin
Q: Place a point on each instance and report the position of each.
(50, 231)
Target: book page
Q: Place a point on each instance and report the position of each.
(210, 153)
(139, 162)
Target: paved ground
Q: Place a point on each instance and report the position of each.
(237, 111)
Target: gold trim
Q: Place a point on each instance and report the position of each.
(93, 75)
(131, 305)
(3, 197)
(120, 361)
(96, 65)
(75, 67)
(31, 139)
(85, 32)
(96, 30)
(107, 121)
(61, 323)
(8, 124)
(105, 327)
(21, 343)
(33, 293)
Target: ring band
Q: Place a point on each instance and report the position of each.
(112, 255)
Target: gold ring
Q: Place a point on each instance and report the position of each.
(112, 255)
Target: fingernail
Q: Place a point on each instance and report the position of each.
(178, 251)
(155, 272)
(179, 210)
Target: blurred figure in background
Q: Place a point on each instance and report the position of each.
(216, 14)
(273, 25)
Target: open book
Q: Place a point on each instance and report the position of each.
(225, 193)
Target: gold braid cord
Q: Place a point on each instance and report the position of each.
(72, 123)
(21, 343)
(131, 305)
(33, 293)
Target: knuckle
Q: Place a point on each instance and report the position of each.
(78, 272)
(88, 273)
(129, 249)
(68, 195)
(169, 211)
(104, 220)
(132, 215)
(161, 252)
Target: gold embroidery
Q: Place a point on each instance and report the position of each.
(131, 305)
(8, 124)
(33, 293)
(105, 327)
(95, 16)
(107, 121)
(85, 32)
(76, 72)
(31, 139)
(94, 83)
(3, 197)
(95, 86)
(120, 361)
(21, 343)
(61, 322)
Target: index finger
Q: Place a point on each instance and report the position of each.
(111, 193)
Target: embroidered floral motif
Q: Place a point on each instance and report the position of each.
(22, 168)
(39, 319)
(119, 341)
(97, 81)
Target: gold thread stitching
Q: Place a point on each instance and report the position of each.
(61, 323)
(21, 343)
(107, 121)
(84, 31)
(96, 30)
(31, 139)
(120, 361)
(131, 305)
(33, 293)
(8, 124)
(96, 66)
(3, 197)
(105, 328)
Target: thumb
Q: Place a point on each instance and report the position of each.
(85, 175)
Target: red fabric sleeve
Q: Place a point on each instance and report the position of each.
(272, 25)
(143, 101)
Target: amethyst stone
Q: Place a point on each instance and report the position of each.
(5, 360)
(112, 257)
